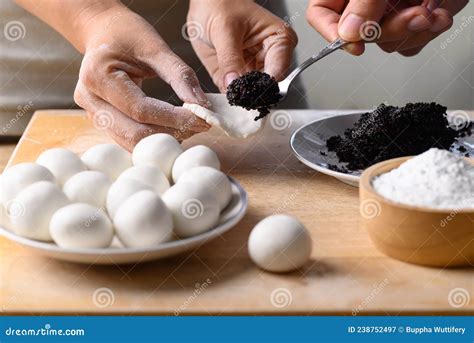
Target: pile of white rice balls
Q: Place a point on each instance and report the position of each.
(82, 202)
(156, 194)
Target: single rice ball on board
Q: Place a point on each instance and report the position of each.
(143, 220)
(34, 207)
(63, 163)
(199, 155)
(194, 209)
(88, 187)
(19, 176)
(279, 243)
(159, 150)
(81, 225)
(110, 159)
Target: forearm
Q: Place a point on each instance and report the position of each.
(71, 18)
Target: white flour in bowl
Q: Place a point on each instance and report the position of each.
(436, 178)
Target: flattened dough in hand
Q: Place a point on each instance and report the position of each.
(233, 120)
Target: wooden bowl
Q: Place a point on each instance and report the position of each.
(414, 234)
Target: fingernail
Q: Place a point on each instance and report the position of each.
(418, 23)
(229, 78)
(440, 24)
(350, 27)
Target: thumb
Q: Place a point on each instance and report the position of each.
(360, 20)
(230, 59)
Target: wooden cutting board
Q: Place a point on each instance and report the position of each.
(346, 274)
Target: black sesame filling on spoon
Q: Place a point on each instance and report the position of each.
(254, 91)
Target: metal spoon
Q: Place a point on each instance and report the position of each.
(284, 85)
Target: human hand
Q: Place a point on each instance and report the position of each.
(234, 37)
(121, 50)
(406, 26)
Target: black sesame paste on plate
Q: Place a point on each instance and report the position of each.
(390, 132)
(254, 91)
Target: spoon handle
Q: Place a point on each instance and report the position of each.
(337, 44)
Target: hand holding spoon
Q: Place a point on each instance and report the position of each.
(259, 91)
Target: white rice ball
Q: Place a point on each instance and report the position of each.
(62, 163)
(19, 176)
(149, 175)
(194, 210)
(159, 150)
(33, 208)
(143, 220)
(119, 191)
(212, 179)
(81, 226)
(279, 243)
(88, 187)
(110, 159)
(196, 156)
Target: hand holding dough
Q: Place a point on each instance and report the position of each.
(233, 120)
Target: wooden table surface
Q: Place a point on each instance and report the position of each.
(346, 274)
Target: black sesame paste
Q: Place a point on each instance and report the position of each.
(254, 91)
(390, 132)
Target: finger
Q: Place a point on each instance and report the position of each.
(207, 56)
(173, 70)
(122, 128)
(117, 88)
(405, 23)
(442, 21)
(359, 20)
(278, 50)
(229, 50)
(324, 16)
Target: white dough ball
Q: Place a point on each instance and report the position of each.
(33, 208)
(4, 218)
(159, 150)
(143, 220)
(149, 175)
(110, 159)
(18, 177)
(62, 163)
(279, 243)
(81, 226)
(88, 187)
(120, 190)
(194, 209)
(212, 179)
(199, 155)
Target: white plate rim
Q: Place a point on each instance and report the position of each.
(203, 237)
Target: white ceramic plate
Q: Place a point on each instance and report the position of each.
(117, 254)
(309, 141)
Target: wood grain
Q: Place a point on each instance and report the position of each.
(346, 274)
